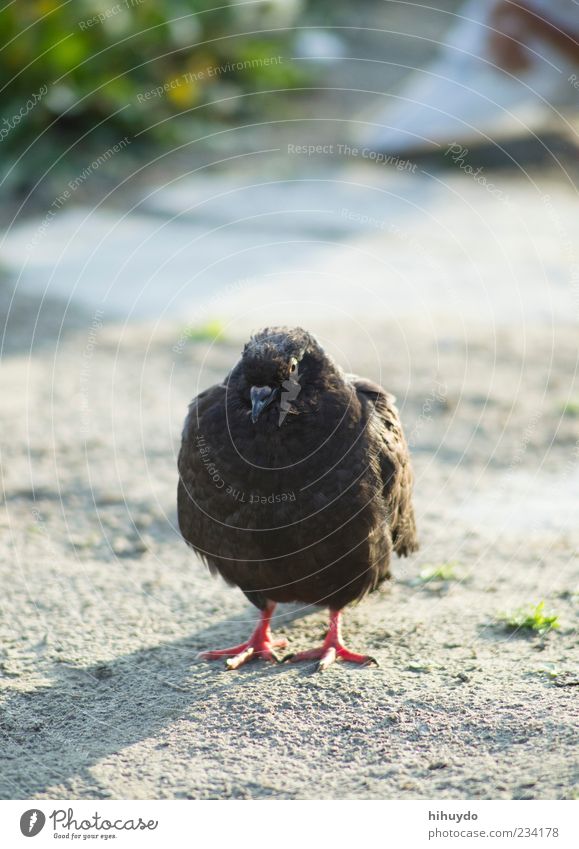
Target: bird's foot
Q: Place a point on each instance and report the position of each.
(329, 654)
(332, 650)
(244, 652)
(260, 645)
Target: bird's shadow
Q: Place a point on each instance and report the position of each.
(79, 714)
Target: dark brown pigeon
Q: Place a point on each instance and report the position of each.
(295, 485)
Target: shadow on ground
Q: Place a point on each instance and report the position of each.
(106, 706)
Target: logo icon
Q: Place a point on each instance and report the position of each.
(32, 822)
(292, 388)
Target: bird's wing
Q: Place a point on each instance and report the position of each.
(199, 407)
(195, 445)
(395, 464)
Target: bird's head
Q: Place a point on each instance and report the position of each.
(278, 364)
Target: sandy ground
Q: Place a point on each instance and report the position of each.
(104, 608)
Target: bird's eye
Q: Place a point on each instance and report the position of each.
(293, 366)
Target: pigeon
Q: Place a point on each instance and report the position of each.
(295, 485)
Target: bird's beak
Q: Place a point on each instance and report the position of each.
(261, 397)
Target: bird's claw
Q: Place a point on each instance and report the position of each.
(327, 655)
(250, 654)
(237, 656)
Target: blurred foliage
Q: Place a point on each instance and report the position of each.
(571, 408)
(211, 331)
(132, 64)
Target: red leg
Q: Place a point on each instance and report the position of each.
(333, 648)
(260, 644)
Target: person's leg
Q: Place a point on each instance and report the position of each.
(468, 96)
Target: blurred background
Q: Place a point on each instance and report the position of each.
(270, 116)
(401, 179)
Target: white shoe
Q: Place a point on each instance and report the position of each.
(464, 98)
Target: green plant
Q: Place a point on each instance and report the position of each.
(548, 670)
(531, 618)
(444, 572)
